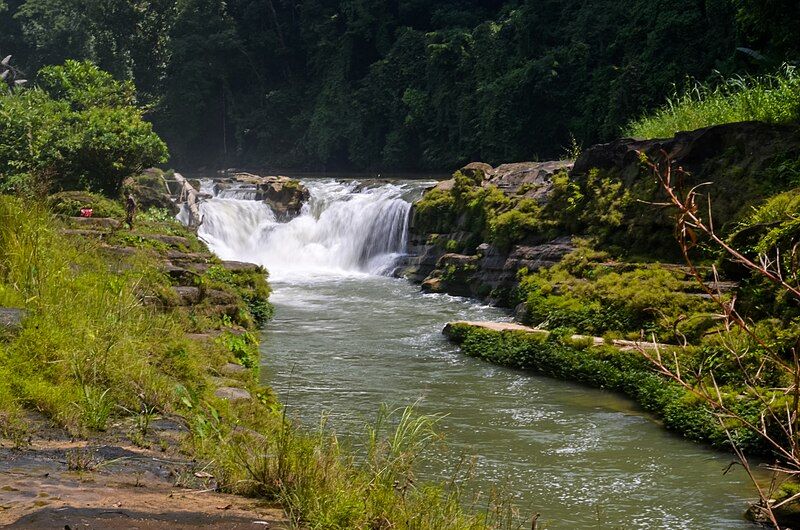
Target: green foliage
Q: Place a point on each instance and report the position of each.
(80, 130)
(769, 98)
(597, 205)
(243, 346)
(435, 212)
(606, 367)
(70, 203)
(88, 349)
(584, 293)
(252, 286)
(321, 485)
(404, 84)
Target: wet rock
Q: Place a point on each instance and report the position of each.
(453, 275)
(284, 195)
(230, 393)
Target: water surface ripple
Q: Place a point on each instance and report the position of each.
(584, 458)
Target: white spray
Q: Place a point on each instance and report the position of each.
(342, 230)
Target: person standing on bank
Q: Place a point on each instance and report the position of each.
(130, 210)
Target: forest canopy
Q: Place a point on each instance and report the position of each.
(403, 84)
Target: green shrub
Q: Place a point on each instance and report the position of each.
(603, 367)
(252, 286)
(583, 293)
(70, 203)
(80, 130)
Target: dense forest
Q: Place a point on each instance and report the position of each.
(398, 84)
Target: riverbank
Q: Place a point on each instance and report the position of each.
(682, 241)
(618, 366)
(132, 374)
(126, 342)
(583, 457)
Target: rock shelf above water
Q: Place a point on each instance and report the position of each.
(450, 331)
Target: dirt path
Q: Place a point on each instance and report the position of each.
(80, 485)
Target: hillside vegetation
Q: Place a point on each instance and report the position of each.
(109, 332)
(403, 84)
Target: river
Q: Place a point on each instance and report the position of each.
(347, 338)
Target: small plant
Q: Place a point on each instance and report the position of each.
(82, 459)
(96, 408)
(243, 346)
(157, 215)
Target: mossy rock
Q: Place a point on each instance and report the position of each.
(150, 191)
(70, 203)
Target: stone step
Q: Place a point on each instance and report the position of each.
(92, 222)
(189, 296)
(75, 232)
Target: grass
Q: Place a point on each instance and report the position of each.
(323, 485)
(89, 348)
(769, 98)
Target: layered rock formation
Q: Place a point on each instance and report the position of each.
(607, 194)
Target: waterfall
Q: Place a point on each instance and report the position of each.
(344, 229)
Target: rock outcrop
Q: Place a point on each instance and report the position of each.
(150, 189)
(487, 272)
(284, 195)
(743, 162)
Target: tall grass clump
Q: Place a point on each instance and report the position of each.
(323, 485)
(89, 349)
(771, 98)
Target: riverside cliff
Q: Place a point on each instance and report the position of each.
(473, 234)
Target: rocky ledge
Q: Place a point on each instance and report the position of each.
(606, 194)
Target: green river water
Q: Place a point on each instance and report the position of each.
(583, 458)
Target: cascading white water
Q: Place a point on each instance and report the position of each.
(342, 230)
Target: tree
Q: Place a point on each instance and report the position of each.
(79, 129)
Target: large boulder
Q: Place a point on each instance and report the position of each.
(531, 179)
(742, 162)
(150, 191)
(284, 195)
